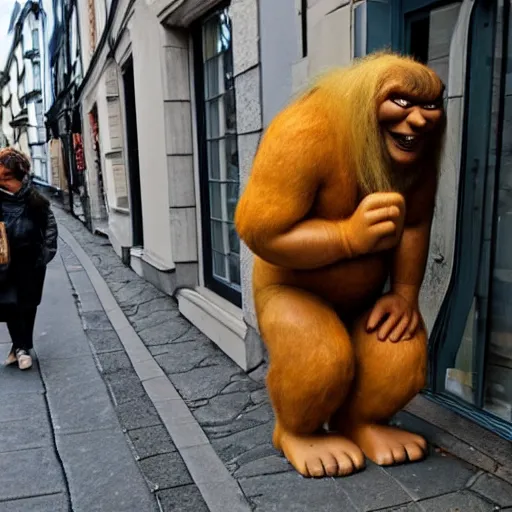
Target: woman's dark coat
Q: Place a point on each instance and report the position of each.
(32, 234)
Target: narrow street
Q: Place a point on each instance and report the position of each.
(130, 408)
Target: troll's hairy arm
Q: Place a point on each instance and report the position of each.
(401, 305)
(273, 216)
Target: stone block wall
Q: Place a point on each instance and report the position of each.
(247, 70)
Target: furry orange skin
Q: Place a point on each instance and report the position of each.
(313, 296)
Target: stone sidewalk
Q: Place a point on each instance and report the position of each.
(227, 410)
(62, 447)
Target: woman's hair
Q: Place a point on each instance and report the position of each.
(16, 163)
(18, 167)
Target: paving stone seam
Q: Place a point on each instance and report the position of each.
(53, 437)
(24, 498)
(218, 487)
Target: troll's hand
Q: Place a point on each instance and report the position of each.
(377, 223)
(395, 317)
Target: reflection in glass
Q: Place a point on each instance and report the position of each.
(228, 71)
(232, 199)
(234, 241)
(498, 371)
(234, 268)
(232, 159)
(483, 369)
(230, 111)
(430, 34)
(213, 159)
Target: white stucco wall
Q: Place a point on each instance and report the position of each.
(149, 94)
(279, 51)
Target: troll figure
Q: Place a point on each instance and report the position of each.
(340, 199)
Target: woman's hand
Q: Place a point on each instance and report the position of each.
(396, 318)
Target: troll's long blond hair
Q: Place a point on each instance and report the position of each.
(353, 95)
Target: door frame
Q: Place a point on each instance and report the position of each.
(132, 157)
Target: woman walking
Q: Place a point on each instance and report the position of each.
(32, 237)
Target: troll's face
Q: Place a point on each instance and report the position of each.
(407, 124)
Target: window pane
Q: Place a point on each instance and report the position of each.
(213, 159)
(217, 237)
(229, 106)
(35, 39)
(460, 380)
(234, 240)
(224, 31)
(210, 39)
(232, 171)
(212, 119)
(219, 264)
(211, 78)
(498, 372)
(228, 70)
(232, 199)
(215, 201)
(234, 268)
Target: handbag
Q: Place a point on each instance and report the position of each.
(5, 253)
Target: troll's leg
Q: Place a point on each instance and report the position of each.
(311, 370)
(388, 376)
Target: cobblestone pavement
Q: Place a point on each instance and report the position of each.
(233, 410)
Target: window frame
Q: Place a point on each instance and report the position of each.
(211, 282)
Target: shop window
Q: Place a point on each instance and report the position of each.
(483, 364)
(218, 147)
(471, 343)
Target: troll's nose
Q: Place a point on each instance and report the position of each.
(416, 119)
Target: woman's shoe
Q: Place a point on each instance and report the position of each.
(24, 359)
(11, 358)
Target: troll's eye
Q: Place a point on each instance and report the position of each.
(431, 106)
(401, 102)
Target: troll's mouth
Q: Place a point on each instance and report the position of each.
(406, 142)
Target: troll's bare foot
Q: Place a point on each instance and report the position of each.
(388, 445)
(319, 455)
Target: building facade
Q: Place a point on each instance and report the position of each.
(24, 87)
(63, 118)
(173, 102)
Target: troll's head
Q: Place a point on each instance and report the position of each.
(391, 108)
